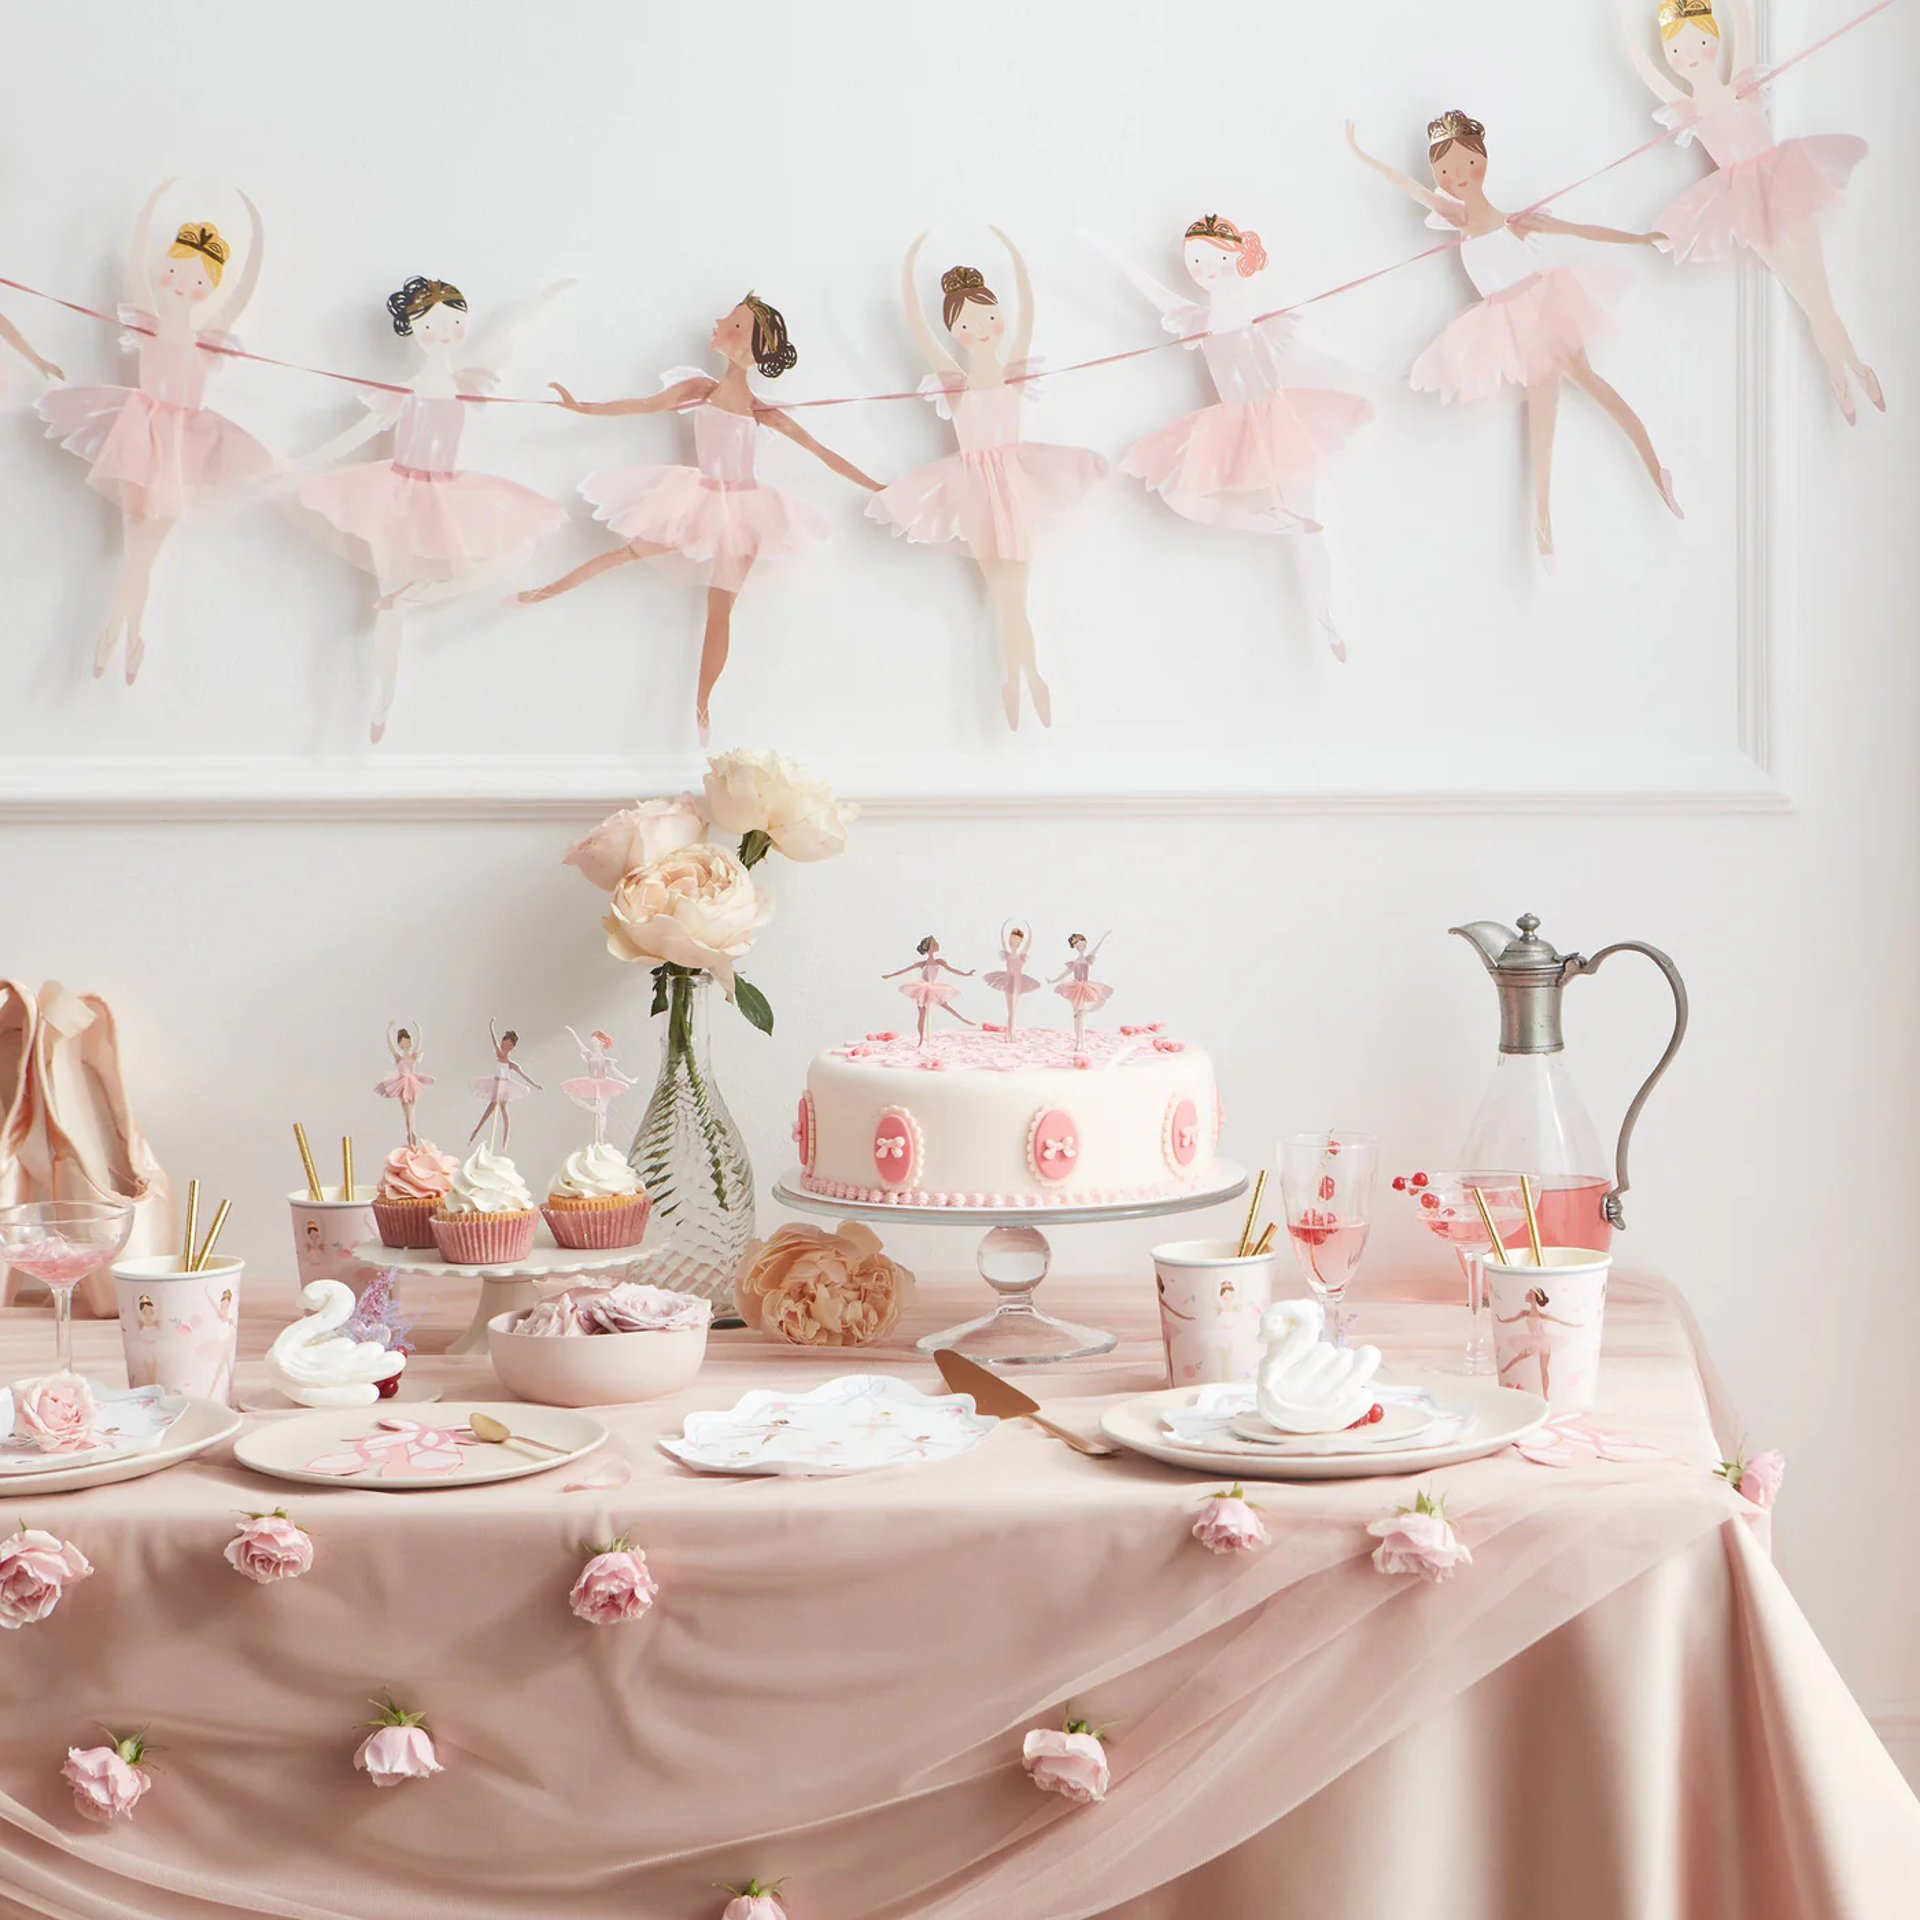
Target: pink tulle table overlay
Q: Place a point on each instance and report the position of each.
(834, 1681)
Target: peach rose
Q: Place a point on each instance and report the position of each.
(56, 1413)
(613, 1586)
(270, 1547)
(696, 908)
(35, 1570)
(108, 1781)
(820, 1289)
(638, 836)
(768, 793)
(1071, 1763)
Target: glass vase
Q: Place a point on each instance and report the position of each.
(692, 1160)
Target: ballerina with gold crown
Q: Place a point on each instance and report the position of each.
(1765, 195)
(1534, 320)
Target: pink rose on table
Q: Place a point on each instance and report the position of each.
(754, 1902)
(398, 1749)
(1757, 1476)
(613, 1586)
(1419, 1539)
(108, 1781)
(637, 836)
(697, 908)
(1229, 1523)
(56, 1413)
(1072, 1762)
(270, 1547)
(35, 1570)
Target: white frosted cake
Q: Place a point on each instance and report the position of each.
(983, 1118)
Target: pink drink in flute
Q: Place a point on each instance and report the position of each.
(1326, 1184)
(1447, 1211)
(60, 1242)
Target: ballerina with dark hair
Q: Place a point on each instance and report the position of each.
(926, 989)
(427, 530)
(715, 512)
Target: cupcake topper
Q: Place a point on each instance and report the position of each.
(1075, 984)
(499, 1089)
(926, 989)
(602, 1084)
(406, 1082)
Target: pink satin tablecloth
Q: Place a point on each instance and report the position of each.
(1616, 1710)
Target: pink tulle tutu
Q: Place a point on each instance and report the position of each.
(1759, 202)
(1270, 448)
(1002, 982)
(1084, 996)
(994, 501)
(1520, 336)
(928, 993)
(702, 517)
(152, 455)
(396, 521)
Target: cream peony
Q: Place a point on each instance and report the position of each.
(696, 908)
(638, 836)
(820, 1289)
(768, 793)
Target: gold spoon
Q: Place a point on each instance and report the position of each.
(496, 1433)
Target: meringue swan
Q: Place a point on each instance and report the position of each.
(1304, 1383)
(312, 1364)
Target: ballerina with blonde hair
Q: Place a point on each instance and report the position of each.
(1765, 195)
(1534, 321)
(155, 448)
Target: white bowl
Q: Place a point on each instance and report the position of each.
(594, 1369)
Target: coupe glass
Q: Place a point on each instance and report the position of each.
(1326, 1186)
(1445, 1203)
(60, 1242)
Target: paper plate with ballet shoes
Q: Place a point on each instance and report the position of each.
(462, 1444)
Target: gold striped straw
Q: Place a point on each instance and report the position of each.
(1533, 1221)
(213, 1233)
(314, 1189)
(193, 1226)
(1253, 1213)
(346, 1166)
(1493, 1232)
(1264, 1245)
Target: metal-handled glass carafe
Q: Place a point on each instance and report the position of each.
(1532, 1119)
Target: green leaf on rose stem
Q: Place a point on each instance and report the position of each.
(659, 990)
(753, 1003)
(755, 846)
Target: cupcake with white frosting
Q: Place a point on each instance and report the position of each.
(596, 1201)
(487, 1215)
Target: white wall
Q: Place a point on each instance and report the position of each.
(255, 961)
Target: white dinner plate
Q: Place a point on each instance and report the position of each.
(1497, 1416)
(414, 1450)
(203, 1424)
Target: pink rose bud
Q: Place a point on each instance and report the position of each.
(613, 1586)
(270, 1547)
(35, 1570)
(1073, 1763)
(1419, 1539)
(753, 1902)
(107, 1781)
(398, 1749)
(1759, 1477)
(56, 1413)
(1228, 1523)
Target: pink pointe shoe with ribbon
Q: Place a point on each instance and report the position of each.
(88, 1145)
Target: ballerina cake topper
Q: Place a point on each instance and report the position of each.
(926, 989)
(602, 1084)
(1075, 984)
(500, 1089)
(406, 1083)
(1011, 977)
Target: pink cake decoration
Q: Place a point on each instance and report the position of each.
(805, 1133)
(896, 1147)
(1180, 1136)
(1053, 1144)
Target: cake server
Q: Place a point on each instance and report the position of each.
(1000, 1400)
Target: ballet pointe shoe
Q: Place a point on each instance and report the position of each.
(1870, 386)
(1335, 645)
(702, 725)
(93, 1146)
(1841, 380)
(136, 653)
(1665, 484)
(1543, 535)
(1010, 700)
(19, 1110)
(1042, 697)
(104, 649)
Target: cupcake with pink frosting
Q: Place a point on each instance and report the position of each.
(414, 1181)
(596, 1201)
(487, 1215)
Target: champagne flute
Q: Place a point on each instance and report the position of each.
(1326, 1185)
(1447, 1211)
(60, 1242)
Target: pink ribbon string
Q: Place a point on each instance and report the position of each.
(1077, 366)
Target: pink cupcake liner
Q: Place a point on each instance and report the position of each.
(402, 1224)
(599, 1229)
(485, 1239)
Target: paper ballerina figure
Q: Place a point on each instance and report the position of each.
(427, 529)
(602, 1084)
(1764, 194)
(406, 1083)
(500, 1089)
(926, 989)
(1011, 977)
(1252, 459)
(19, 343)
(154, 448)
(1533, 323)
(1075, 984)
(998, 492)
(716, 513)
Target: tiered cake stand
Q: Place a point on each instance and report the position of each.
(1013, 1258)
(504, 1289)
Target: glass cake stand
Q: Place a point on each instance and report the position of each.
(1013, 1258)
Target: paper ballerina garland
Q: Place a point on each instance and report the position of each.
(716, 513)
(1251, 460)
(1764, 195)
(1534, 321)
(427, 530)
(154, 448)
(997, 493)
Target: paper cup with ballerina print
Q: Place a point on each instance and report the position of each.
(180, 1330)
(1546, 1324)
(326, 1231)
(1211, 1300)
